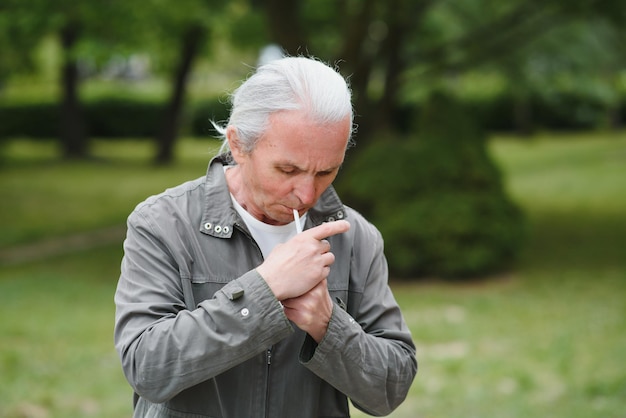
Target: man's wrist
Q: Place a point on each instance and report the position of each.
(272, 284)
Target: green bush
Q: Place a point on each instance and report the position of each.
(113, 117)
(33, 120)
(437, 198)
(556, 111)
(108, 118)
(105, 118)
(126, 116)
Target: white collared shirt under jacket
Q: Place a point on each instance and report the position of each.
(200, 334)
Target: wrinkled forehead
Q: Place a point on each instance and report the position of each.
(294, 135)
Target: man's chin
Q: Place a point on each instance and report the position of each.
(279, 218)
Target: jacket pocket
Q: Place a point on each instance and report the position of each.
(197, 289)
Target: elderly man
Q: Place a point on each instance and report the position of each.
(253, 291)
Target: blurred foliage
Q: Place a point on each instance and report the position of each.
(521, 65)
(204, 113)
(437, 198)
(123, 115)
(121, 118)
(30, 120)
(112, 117)
(395, 52)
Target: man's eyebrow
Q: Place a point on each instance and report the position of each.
(286, 164)
(331, 169)
(296, 167)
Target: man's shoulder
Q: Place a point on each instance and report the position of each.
(360, 226)
(173, 196)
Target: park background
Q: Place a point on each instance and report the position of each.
(498, 127)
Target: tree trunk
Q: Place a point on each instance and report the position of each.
(403, 16)
(168, 133)
(72, 129)
(522, 115)
(394, 64)
(361, 53)
(357, 56)
(283, 17)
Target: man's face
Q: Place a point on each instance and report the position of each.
(290, 167)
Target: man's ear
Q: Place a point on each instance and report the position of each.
(234, 143)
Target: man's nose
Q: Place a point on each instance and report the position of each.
(305, 190)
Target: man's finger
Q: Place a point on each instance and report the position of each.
(328, 229)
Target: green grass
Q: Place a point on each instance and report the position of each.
(56, 351)
(546, 340)
(43, 196)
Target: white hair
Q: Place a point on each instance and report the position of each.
(291, 83)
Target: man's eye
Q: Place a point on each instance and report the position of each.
(287, 170)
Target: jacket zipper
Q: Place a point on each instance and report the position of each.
(268, 353)
(268, 356)
(245, 231)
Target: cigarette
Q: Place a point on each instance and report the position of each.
(296, 218)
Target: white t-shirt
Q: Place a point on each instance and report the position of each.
(267, 236)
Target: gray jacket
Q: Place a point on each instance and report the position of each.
(200, 334)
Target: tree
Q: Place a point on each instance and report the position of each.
(72, 124)
(184, 27)
(392, 49)
(20, 31)
(84, 29)
(440, 203)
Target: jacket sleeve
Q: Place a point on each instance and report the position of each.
(369, 355)
(165, 347)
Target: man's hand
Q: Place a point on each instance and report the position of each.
(300, 264)
(311, 312)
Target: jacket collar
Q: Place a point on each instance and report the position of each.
(219, 217)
